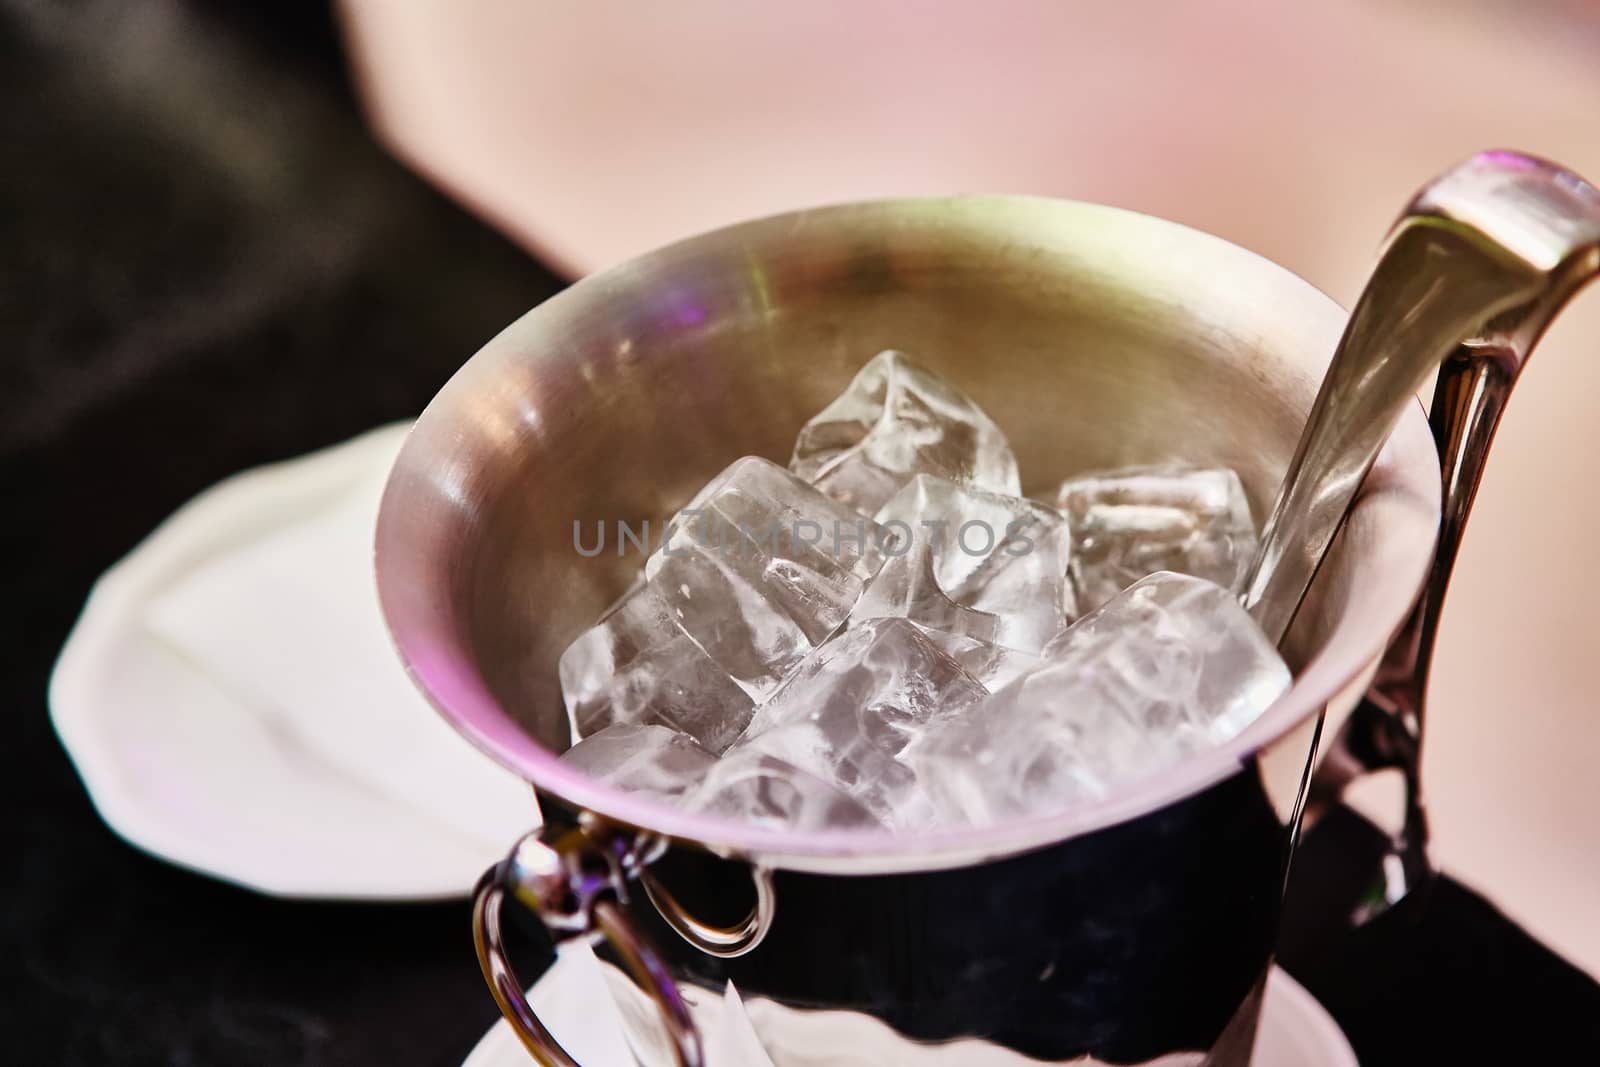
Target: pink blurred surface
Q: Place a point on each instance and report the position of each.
(592, 132)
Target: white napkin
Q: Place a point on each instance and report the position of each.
(729, 1037)
(573, 999)
(289, 624)
(734, 1042)
(588, 1004)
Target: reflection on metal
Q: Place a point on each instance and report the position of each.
(726, 942)
(1472, 276)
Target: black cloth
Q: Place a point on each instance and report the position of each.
(208, 264)
(1441, 978)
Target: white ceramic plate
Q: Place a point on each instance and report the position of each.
(219, 757)
(583, 1002)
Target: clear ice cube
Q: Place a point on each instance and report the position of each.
(755, 617)
(1003, 555)
(905, 587)
(753, 786)
(1192, 659)
(895, 420)
(1138, 520)
(1170, 666)
(853, 706)
(638, 666)
(754, 505)
(730, 605)
(653, 760)
(992, 666)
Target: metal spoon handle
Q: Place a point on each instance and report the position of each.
(1474, 270)
(1471, 277)
(1474, 385)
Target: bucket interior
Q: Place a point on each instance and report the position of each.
(1093, 337)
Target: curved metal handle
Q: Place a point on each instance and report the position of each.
(1478, 264)
(576, 885)
(1490, 253)
(724, 942)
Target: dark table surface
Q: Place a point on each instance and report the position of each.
(208, 264)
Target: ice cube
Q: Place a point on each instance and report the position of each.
(1192, 659)
(895, 420)
(1170, 666)
(854, 705)
(656, 761)
(1138, 520)
(729, 606)
(755, 617)
(757, 506)
(905, 587)
(992, 666)
(638, 666)
(750, 582)
(1003, 555)
(753, 786)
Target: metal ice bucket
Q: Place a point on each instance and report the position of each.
(1127, 930)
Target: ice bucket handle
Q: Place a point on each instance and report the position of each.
(576, 881)
(1538, 222)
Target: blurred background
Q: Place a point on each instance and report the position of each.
(230, 233)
